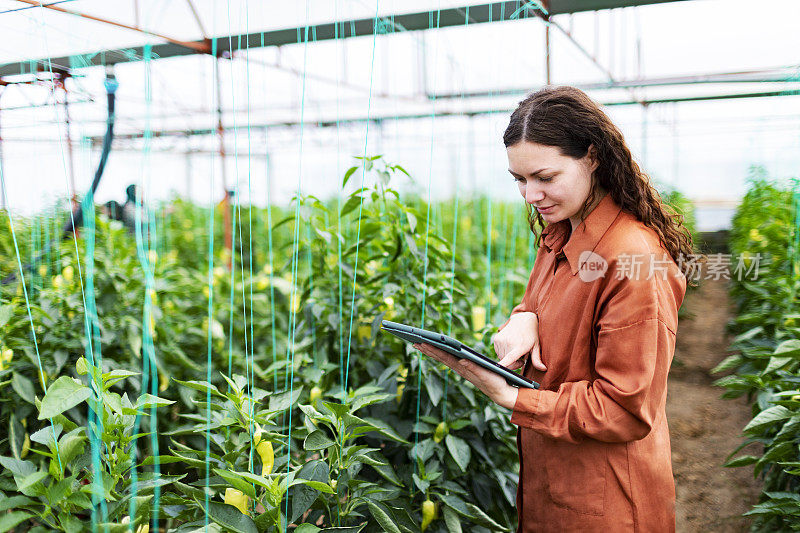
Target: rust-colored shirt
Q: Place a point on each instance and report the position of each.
(593, 440)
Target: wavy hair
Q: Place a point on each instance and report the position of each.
(566, 118)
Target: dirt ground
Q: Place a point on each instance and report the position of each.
(705, 428)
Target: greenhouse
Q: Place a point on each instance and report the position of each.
(265, 267)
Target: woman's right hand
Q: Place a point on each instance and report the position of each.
(517, 339)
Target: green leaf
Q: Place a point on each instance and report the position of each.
(15, 501)
(65, 393)
(732, 361)
(307, 528)
(316, 485)
(6, 312)
(230, 517)
(237, 482)
(788, 348)
(458, 505)
(11, 520)
(81, 366)
(384, 429)
(459, 451)
(30, 480)
(284, 400)
(23, 386)
(317, 440)
(16, 435)
(109, 378)
(382, 517)
(767, 417)
(202, 386)
(17, 467)
(352, 202)
(347, 175)
(483, 519)
(46, 435)
(776, 363)
(451, 520)
(148, 400)
(412, 221)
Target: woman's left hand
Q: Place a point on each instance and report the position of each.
(492, 385)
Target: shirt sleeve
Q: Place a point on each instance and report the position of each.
(634, 351)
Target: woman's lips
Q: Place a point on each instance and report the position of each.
(545, 209)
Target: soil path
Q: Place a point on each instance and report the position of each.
(705, 428)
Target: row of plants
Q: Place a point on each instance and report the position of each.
(153, 378)
(765, 364)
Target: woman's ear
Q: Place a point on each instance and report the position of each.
(592, 155)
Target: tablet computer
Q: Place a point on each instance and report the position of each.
(456, 348)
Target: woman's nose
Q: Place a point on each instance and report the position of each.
(533, 194)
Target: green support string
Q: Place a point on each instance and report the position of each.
(454, 244)
(144, 246)
(210, 311)
(28, 308)
(360, 205)
(250, 367)
(290, 348)
(427, 233)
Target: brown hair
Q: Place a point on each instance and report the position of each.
(566, 118)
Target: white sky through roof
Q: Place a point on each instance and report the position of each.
(703, 148)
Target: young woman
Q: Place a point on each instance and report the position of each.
(596, 326)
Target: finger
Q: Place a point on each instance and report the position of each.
(512, 357)
(519, 363)
(479, 376)
(470, 371)
(536, 358)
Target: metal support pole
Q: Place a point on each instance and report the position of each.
(547, 50)
(3, 204)
(70, 155)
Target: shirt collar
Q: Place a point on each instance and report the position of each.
(586, 235)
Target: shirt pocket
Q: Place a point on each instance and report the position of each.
(577, 474)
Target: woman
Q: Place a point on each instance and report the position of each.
(596, 326)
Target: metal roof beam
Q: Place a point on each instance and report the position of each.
(332, 123)
(456, 16)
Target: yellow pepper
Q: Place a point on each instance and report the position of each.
(478, 317)
(26, 446)
(265, 452)
(428, 513)
(163, 382)
(441, 431)
(315, 394)
(390, 313)
(364, 332)
(237, 499)
(267, 455)
(5, 357)
(68, 273)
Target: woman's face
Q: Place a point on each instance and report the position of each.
(555, 185)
